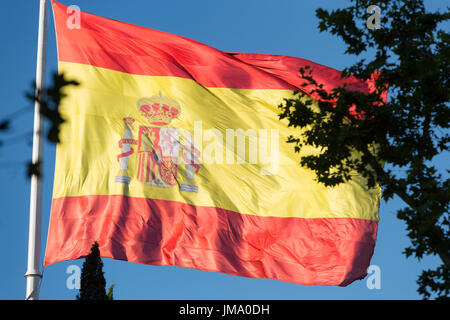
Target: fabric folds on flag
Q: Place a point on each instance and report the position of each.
(172, 153)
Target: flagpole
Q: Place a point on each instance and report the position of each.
(33, 274)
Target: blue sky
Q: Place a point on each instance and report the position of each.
(287, 27)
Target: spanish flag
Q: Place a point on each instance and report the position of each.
(173, 154)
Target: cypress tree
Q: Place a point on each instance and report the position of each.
(92, 284)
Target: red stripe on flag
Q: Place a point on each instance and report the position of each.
(327, 251)
(128, 48)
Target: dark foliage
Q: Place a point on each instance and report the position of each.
(92, 285)
(49, 100)
(392, 144)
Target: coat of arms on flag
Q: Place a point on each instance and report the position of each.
(160, 148)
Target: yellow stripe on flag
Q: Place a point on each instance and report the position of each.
(268, 183)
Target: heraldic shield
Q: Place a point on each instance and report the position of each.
(158, 151)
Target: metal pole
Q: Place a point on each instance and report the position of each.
(33, 274)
